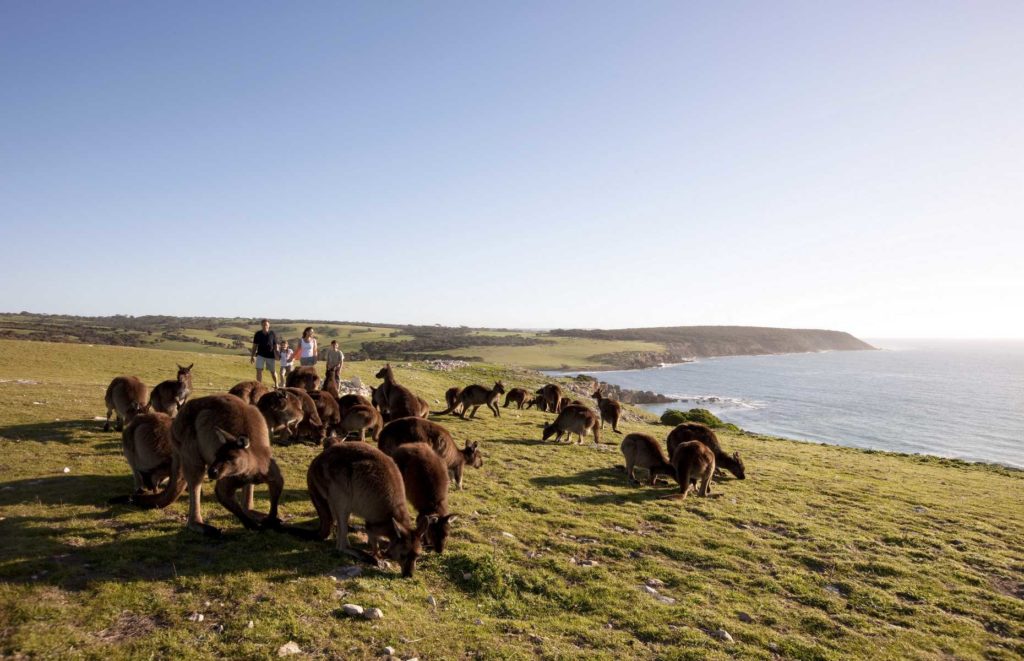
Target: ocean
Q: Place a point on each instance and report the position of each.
(960, 399)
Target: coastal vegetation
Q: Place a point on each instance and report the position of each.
(821, 552)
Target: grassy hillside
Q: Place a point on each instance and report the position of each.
(822, 553)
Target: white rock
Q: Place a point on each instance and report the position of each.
(649, 590)
(67, 470)
(250, 624)
(350, 571)
(665, 600)
(389, 651)
(373, 614)
(352, 609)
(206, 604)
(289, 648)
(722, 634)
(431, 600)
(655, 583)
(508, 535)
(196, 617)
(218, 628)
(466, 575)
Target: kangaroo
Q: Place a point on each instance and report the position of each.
(358, 419)
(249, 392)
(328, 410)
(696, 431)
(539, 401)
(222, 438)
(399, 401)
(332, 380)
(303, 377)
(168, 396)
(426, 487)
(356, 478)
(610, 410)
(574, 419)
(416, 430)
(286, 409)
(312, 424)
(641, 450)
(345, 402)
(451, 397)
(693, 461)
(552, 395)
(121, 393)
(517, 396)
(475, 396)
(147, 445)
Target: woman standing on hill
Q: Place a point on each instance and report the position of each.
(308, 350)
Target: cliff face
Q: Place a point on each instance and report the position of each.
(688, 342)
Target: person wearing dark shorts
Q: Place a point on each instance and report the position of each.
(264, 343)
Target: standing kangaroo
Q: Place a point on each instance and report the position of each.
(517, 396)
(399, 401)
(225, 439)
(303, 377)
(610, 409)
(168, 396)
(474, 396)
(552, 396)
(451, 398)
(693, 462)
(574, 419)
(696, 431)
(122, 392)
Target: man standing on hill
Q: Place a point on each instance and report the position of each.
(335, 356)
(264, 342)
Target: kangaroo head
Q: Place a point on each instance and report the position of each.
(741, 470)
(472, 454)
(384, 372)
(597, 393)
(549, 430)
(231, 449)
(438, 528)
(499, 387)
(405, 545)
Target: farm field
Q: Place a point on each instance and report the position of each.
(821, 553)
(563, 353)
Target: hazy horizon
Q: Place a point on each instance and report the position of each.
(854, 167)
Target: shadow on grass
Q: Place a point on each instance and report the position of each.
(517, 441)
(613, 476)
(66, 489)
(68, 432)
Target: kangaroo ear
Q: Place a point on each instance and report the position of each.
(736, 456)
(189, 368)
(476, 444)
(400, 530)
(223, 435)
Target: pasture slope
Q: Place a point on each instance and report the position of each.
(822, 553)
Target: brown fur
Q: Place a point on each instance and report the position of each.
(291, 412)
(358, 419)
(121, 393)
(643, 451)
(332, 380)
(610, 410)
(552, 395)
(693, 463)
(168, 396)
(696, 431)
(328, 410)
(474, 396)
(517, 396)
(574, 419)
(417, 430)
(249, 392)
(356, 478)
(345, 402)
(147, 446)
(451, 398)
(225, 439)
(303, 377)
(426, 487)
(539, 401)
(400, 402)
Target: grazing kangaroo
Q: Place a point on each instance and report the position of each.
(610, 410)
(346, 402)
(147, 445)
(303, 377)
(696, 431)
(426, 487)
(552, 395)
(222, 438)
(641, 450)
(168, 396)
(332, 380)
(539, 401)
(121, 393)
(286, 409)
(356, 478)
(358, 419)
(475, 396)
(693, 461)
(417, 430)
(574, 419)
(451, 398)
(399, 401)
(328, 410)
(249, 392)
(517, 396)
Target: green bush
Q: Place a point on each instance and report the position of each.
(673, 417)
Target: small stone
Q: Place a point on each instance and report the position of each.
(722, 634)
(352, 609)
(250, 624)
(413, 658)
(665, 600)
(342, 573)
(431, 600)
(206, 604)
(919, 509)
(389, 651)
(649, 590)
(218, 628)
(478, 621)
(466, 575)
(744, 617)
(508, 535)
(534, 638)
(289, 648)
(655, 583)
(67, 470)
(373, 614)
(196, 617)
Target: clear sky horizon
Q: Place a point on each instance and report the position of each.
(851, 166)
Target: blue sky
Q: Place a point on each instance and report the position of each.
(857, 166)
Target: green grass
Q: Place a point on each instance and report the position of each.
(568, 353)
(834, 553)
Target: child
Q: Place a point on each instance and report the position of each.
(284, 357)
